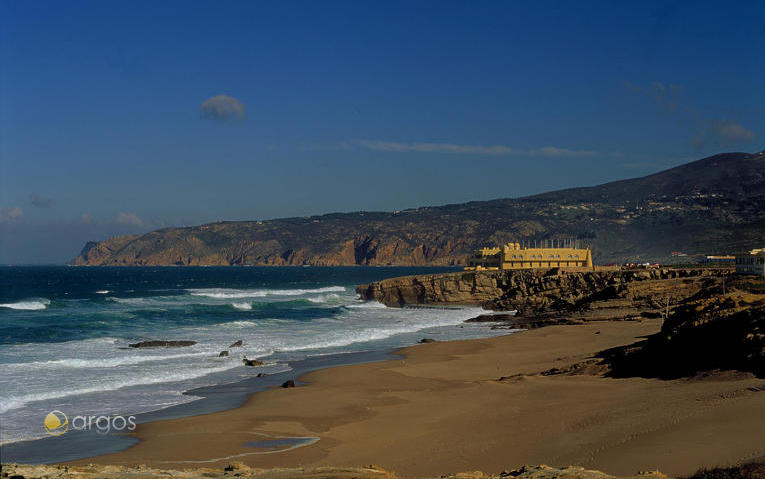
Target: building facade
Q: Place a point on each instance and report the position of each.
(514, 256)
(752, 262)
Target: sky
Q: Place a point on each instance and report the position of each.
(124, 117)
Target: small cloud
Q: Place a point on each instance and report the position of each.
(732, 131)
(128, 219)
(222, 108)
(554, 152)
(11, 214)
(40, 201)
(723, 133)
(433, 147)
(494, 150)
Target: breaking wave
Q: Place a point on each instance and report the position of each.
(28, 304)
(225, 293)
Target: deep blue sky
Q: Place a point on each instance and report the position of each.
(350, 106)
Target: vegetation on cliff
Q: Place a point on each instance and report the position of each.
(716, 204)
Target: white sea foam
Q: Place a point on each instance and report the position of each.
(225, 293)
(243, 306)
(102, 386)
(27, 304)
(325, 298)
(103, 291)
(77, 363)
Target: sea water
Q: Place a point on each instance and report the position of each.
(65, 332)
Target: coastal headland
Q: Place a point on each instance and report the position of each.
(564, 394)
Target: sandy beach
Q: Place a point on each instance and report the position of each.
(442, 409)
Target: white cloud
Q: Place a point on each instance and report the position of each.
(555, 152)
(10, 214)
(732, 131)
(222, 108)
(493, 150)
(433, 147)
(128, 219)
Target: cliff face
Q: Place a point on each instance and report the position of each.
(598, 293)
(701, 207)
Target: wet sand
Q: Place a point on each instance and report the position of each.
(442, 409)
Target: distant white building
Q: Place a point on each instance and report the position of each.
(752, 262)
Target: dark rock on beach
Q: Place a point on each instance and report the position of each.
(162, 344)
(236, 344)
(261, 375)
(427, 341)
(252, 362)
(288, 384)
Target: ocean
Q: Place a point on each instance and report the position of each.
(65, 331)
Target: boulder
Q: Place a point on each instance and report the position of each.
(223, 354)
(236, 344)
(288, 384)
(261, 375)
(162, 344)
(427, 340)
(252, 362)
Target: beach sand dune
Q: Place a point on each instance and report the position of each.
(443, 409)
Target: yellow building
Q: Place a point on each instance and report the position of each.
(514, 256)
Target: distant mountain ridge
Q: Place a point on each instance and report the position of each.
(712, 205)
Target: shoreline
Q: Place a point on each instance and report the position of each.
(443, 408)
(210, 399)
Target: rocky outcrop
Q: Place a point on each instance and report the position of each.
(725, 332)
(252, 362)
(590, 295)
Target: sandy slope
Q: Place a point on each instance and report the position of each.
(442, 410)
